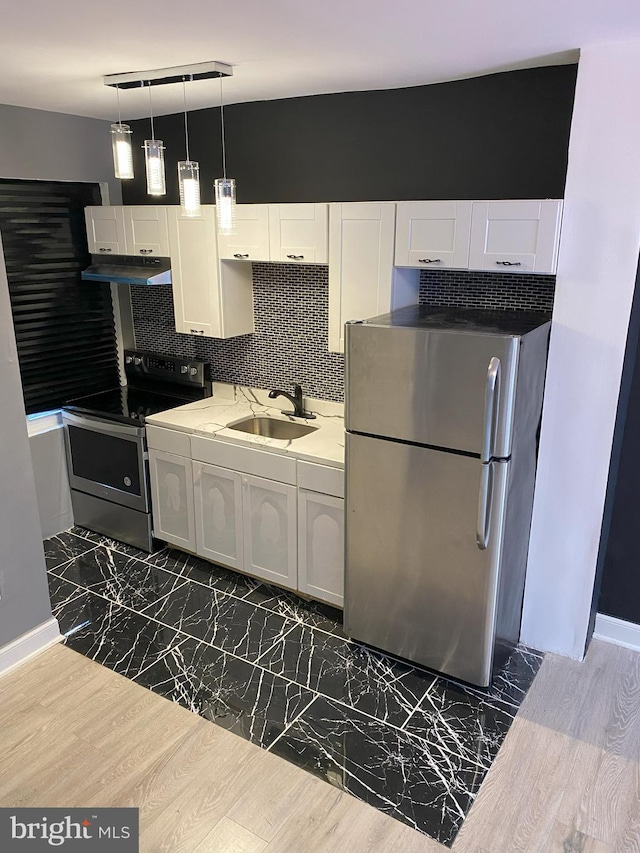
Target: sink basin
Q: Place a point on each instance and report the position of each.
(272, 428)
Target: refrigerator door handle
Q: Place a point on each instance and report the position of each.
(484, 506)
(491, 394)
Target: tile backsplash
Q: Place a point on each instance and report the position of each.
(500, 291)
(291, 308)
(291, 311)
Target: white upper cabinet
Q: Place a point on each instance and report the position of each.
(251, 240)
(105, 230)
(298, 233)
(361, 273)
(210, 298)
(129, 230)
(515, 236)
(145, 228)
(433, 234)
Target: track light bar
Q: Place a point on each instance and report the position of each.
(176, 74)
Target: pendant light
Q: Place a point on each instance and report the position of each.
(225, 189)
(188, 173)
(154, 160)
(121, 147)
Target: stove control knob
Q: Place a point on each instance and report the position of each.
(193, 371)
(128, 359)
(137, 361)
(184, 368)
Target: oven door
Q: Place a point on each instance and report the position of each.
(107, 459)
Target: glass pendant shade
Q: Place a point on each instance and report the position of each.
(122, 151)
(189, 183)
(226, 205)
(154, 162)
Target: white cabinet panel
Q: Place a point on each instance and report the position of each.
(172, 498)
(248, 460)
(361, 240)
(321, 478)
(515, 236)
(270, 535)
(209, 298)
(145, 227)
(105, 230)
(433, 234)
(251, 240)
(218, 519)
(298, 233)
(321, 546)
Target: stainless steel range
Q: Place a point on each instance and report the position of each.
(107, 448)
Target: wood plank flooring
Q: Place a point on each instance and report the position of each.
(567, 779)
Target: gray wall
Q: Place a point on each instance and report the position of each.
(35, 145)
(24, 601)
(52, 483)
(38, 145)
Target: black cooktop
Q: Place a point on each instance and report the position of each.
(126, 404)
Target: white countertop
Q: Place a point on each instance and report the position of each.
(231, 403)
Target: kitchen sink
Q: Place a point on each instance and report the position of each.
(272, 428)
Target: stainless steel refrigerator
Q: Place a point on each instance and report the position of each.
(443, 408)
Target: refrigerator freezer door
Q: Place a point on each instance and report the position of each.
(430, 386)
(417, 584)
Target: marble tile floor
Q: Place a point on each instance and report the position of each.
(279, 671)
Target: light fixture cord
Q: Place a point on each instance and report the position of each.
(153, 135)
(224, 156)
(186, 127)
(118, 97)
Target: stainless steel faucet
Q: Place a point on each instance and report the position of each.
(296, 401)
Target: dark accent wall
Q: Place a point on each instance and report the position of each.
(499, 136)
(617, 588)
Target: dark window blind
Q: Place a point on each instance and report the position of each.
(64, 327)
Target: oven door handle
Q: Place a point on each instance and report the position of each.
(102, 425)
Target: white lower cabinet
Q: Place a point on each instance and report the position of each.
(321, 546)
(172, 496)
(287, 534)
(218, 514)
(270, 516)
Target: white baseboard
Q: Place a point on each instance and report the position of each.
(617, 631)
(39, 639)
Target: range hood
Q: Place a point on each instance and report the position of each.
(124, 269)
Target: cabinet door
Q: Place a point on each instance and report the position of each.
(298, 233)
(210, 298)
(515, 236)
(361, 237)
(433, 234)
(321, 546)
(270, 511)
(218, 509)
(193, 252)
(172, 498)
(251, 240)
(105, 230)
(145, 228)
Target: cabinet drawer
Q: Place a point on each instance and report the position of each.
(169, 440)
(273, 466)
(321, 478)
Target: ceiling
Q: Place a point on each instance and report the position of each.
(55, 54)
